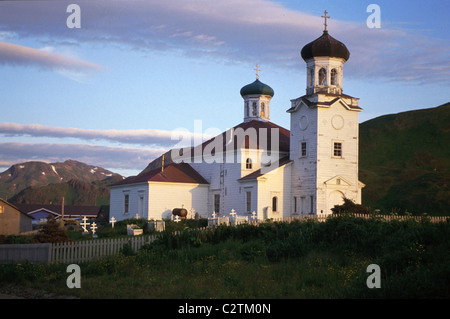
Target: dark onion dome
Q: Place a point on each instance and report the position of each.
(325, 45)
(257, 87)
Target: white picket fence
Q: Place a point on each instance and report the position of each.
(87, 250)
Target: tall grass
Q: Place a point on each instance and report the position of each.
(301, 259)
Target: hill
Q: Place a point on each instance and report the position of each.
(404, 161)
(75, 192)
(34, 175)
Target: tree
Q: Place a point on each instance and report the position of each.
(51, 232)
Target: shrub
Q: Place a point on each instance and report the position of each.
(51, 232)
(350, 207)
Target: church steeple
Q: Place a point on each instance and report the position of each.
(257, 96)
(325, 58)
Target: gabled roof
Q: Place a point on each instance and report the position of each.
(72, 210)
(173, 173)
(254, 175)
(283, 142)
(14, 206)
(260, 127)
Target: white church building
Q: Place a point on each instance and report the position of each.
(257, 166)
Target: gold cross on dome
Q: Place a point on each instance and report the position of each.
(257, 69)
(325, 17)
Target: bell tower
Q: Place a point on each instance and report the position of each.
(324, 131)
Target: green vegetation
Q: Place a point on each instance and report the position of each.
(404, 161)
(301, 259)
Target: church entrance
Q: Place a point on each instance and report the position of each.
(335, 198)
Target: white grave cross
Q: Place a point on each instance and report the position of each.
(177, 219)
(137, 216)
(214, 215)
(84, 224)
(254, 215)
(112, 221)
(233, 213)
(93, 228)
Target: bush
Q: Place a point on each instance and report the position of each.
(350, 207)
(51, 232)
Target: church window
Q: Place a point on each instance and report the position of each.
(303, 150)
(247, 109)
(274, 203)
(217, 203)
(333, 77)
(249, 201)
(2, 209)
(337, 151)
(248, 163)
(263, 109)
(295, 204)
(311, 77)
(312, 204)
(126, 202)
(254, 108)
(302, 204)
(322, 76)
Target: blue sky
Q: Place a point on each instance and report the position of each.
(112, 92)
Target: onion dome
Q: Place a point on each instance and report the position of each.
(257, 88)
(325, 45)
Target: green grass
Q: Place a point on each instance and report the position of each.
(274, 260)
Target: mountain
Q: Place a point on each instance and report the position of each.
(37, 174)
(404, 161)
(75, 192)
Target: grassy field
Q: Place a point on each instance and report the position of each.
(306, 259)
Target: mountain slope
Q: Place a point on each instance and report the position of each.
(405, 161)
(36, 174)
(75, 192)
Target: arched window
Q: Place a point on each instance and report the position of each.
(247, 109)
(334, 80)
(262, 109)
(274, 203)
(254, 108)
(311, 77)
(322, 77)
(248, 163)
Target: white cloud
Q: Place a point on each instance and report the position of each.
(145, 137)
(271, 34)
(45, 58)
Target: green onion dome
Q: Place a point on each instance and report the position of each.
(257, 88)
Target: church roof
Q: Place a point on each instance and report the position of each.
(258, 88)
(259, 126)
(254, 175)
(173, 173)
(325, 45)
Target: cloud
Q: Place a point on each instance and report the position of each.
(13, 54)
(113, 158)
(225, 30)
(144, 137)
